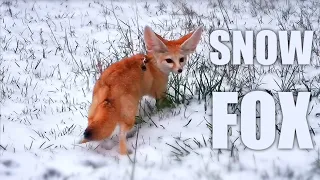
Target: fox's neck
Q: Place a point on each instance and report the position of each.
(155, 81)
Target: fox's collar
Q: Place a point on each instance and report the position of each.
(144, 62)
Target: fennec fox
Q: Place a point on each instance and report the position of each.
(119, 89)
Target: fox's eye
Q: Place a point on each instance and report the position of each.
(169, 60)
(181, 59)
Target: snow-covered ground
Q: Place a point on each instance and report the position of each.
(48, 66)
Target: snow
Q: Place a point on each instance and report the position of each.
(44, 101)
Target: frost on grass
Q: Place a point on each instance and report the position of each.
(52, 53)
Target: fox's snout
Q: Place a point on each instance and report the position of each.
(177, 70)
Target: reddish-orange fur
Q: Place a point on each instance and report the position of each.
(117, 92)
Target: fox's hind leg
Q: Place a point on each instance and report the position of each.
(129, 107)
(124, 128)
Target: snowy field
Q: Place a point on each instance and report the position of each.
(51, 52)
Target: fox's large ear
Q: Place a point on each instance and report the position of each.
(190, 45)
(153, 43)
(161, 38)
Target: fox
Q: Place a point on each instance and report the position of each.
(121, 86)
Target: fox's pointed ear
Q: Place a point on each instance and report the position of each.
(153, 43)
(160, 37)
(190, 45)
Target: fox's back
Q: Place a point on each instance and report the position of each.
(123, 77)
